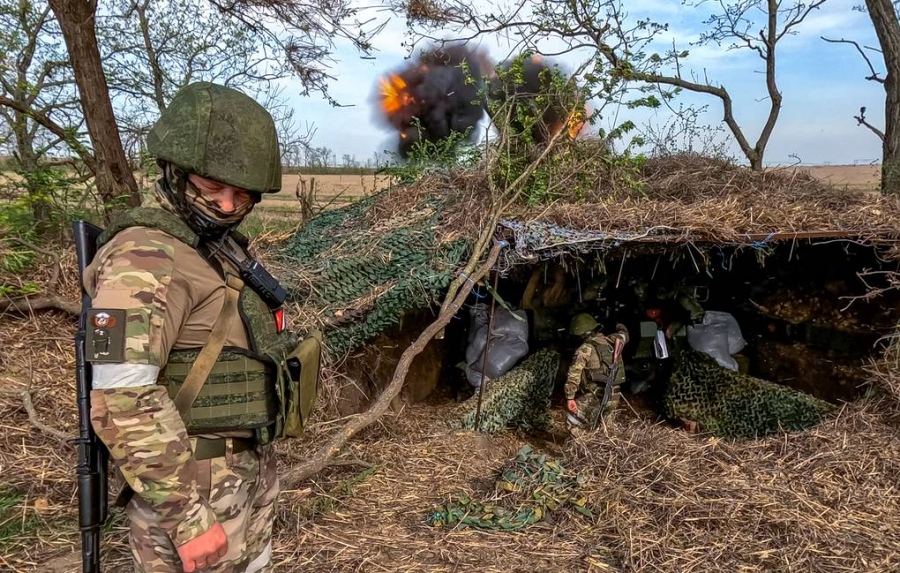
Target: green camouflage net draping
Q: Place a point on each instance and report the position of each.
(733, 405)
(527, 488)
(521, 397)
(366, 271)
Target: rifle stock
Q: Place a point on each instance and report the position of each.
(93, 457)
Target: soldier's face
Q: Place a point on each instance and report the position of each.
(226, 197)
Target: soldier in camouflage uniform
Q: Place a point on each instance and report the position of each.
(587, 376)
(203, 500)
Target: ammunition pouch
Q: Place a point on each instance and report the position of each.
(595, 375)
(271, 395)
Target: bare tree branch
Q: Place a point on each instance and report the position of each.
(28, 405)
(874, 76)
(861, 120)
(49, 300)
(452, 303)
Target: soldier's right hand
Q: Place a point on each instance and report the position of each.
(204, 550)
(572, 405)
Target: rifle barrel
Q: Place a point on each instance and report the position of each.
(91, 468)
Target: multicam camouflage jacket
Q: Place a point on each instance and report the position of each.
(591, 362)
(171, 296)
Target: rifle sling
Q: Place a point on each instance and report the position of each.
(193, 382)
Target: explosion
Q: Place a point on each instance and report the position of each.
(394, 95)
(436, 96)
(442, 93)
(540, 78)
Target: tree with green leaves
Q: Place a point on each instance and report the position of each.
(38, 106)
(125, 59)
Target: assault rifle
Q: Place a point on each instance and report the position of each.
(610, 382)
(93, 457)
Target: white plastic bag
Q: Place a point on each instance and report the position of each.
(718, 336)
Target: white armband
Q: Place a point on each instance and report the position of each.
(123, 375)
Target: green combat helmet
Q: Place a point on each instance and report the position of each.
(218, 133)
(582, 324)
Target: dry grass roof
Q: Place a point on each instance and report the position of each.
(672, 199)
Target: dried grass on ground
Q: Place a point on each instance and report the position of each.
(663, 500)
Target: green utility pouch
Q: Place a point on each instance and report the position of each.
(297, 369)
(304, 367)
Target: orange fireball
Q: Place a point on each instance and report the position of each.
(573, 124)
(394, 94)
(577, 121)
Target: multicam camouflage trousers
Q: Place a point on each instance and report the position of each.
(241, 488)
(590, 398)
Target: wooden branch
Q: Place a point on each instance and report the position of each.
(322, 457)
(54, 278)
(28, 404)
(334, 463)
(53, 128)
(27, 304)
(52, 300)
(861, 120)
(719, 92)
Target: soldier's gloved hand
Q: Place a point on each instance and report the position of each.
(204, 550)
(572, 406)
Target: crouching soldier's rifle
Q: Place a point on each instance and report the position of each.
(93, 457)
(610, 381)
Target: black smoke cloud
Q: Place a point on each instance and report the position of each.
(537, 78)
(442, 92)
(442, 89)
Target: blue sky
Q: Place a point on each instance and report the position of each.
(823, 87)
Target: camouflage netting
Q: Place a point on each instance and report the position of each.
(521, 397)
(360, 272)
(733, 405)
(527, 488)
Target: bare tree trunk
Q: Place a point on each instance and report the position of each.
(115, 181)
(884, 18)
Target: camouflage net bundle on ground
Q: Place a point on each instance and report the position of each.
(520, 397)
(354, 272)
(526, 490)
(733, 405)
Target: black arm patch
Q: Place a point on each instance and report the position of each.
(105, 335)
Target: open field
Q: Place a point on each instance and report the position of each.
(859, 177)
(343, 187)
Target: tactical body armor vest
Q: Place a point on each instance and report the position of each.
(256, 389)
